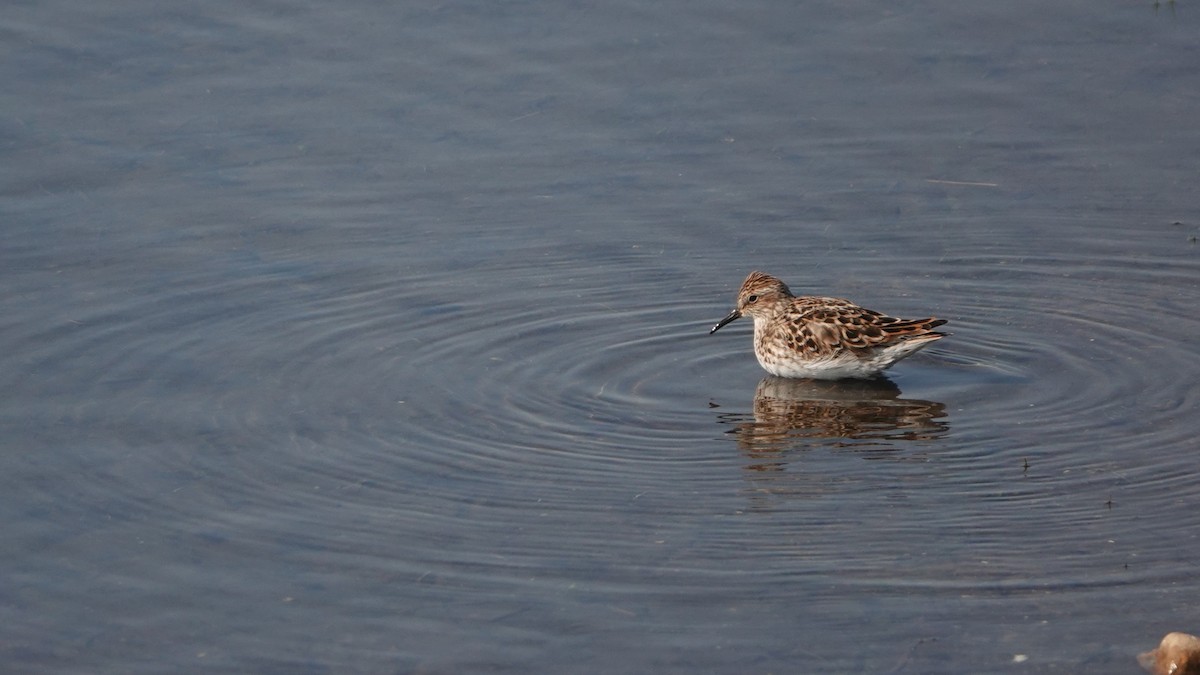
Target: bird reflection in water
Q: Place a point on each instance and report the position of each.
(867, 416)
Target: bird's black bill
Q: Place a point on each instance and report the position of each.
(733, 316)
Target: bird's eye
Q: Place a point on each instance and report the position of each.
(752, 299)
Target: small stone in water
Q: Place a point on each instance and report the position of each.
(1177, 654)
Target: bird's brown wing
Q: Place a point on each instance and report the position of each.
(825, 325)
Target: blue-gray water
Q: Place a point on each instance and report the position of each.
(367, 338)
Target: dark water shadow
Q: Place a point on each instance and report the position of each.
(867, 416)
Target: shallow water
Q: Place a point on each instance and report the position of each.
(366, 339)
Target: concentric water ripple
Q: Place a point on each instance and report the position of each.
(605, 373)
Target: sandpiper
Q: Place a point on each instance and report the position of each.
(823, 338)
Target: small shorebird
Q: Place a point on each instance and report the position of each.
(823, 338)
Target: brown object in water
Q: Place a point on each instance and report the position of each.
(1177, 654)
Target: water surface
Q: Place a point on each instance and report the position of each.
(362, 339)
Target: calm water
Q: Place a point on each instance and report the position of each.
(356, 338)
